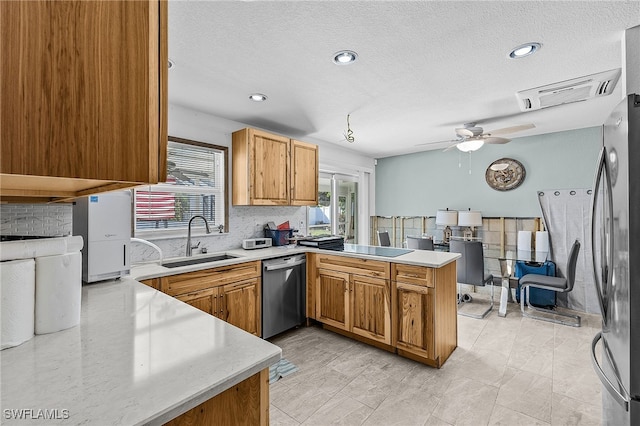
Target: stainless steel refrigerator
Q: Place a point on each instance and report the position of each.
(615, 237)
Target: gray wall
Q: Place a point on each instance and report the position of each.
(419, 184)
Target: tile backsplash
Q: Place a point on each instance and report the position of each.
(36, 219)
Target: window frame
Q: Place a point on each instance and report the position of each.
(198, 226)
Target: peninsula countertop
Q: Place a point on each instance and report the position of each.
(429, 258)
(137, 357)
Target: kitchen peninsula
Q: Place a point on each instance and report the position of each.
(137, 357)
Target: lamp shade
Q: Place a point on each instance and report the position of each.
(469, 218)
(447, 217)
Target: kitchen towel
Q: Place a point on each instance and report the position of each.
(524, 240)
(17, 291)
(58, 292)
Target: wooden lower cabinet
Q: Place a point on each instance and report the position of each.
(424, 312)
(408, 309)
(246, 403)
(353, 299)
(231, 293)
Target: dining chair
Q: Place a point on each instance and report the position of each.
(558, 284)
(419, 243)
(470, 269)
(383, 239)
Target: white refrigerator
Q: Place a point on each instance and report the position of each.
(104, 221)
(615, 236)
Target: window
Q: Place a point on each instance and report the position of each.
(196, 185)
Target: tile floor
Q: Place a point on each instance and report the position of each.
(505, 371)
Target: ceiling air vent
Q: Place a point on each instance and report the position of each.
(564, 92)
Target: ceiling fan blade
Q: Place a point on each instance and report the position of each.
(435, 143)
(512, 129)
(450, 147)
(496, 140)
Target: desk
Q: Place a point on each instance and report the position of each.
(507, 256)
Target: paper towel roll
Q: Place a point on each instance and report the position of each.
(542, 241)
(17, 279)
(74, 243)
(58, 292)
(28, 249)
(524, 240)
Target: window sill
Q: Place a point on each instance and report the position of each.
(162, 234)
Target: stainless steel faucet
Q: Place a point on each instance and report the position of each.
(189, 248)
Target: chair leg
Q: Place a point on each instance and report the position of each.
(524, 299)
(481, 315)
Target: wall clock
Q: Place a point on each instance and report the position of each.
(505, 174)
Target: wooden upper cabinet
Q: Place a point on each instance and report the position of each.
(84, 96)
(304, 174)
(273, 170)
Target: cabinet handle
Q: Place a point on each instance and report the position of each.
(411, 275)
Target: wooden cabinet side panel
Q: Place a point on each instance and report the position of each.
(311, 285)
(332, 298)
(74, 110)
(240, 167)
(446, 311)
(242, 404)
(370, 313)
(304, 174)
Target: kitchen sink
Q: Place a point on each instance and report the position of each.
(199, 259)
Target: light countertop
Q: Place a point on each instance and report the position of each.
(432, 259)
(137, 357)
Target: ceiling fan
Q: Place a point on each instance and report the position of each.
(471, 137)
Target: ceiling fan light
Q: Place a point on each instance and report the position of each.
(524, 50)
(470, 145)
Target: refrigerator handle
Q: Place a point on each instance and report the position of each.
(602, 164)
(620, 399)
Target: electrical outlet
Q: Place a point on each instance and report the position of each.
(302, 224)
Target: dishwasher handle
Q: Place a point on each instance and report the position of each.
(284, 265)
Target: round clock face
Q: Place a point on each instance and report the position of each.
(505, 174)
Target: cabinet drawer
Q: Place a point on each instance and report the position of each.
(207, 278)
(353, 265)
(417, 275)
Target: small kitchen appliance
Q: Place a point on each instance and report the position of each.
(256, 243)
(104, 221)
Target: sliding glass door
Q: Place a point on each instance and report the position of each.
(337, 210)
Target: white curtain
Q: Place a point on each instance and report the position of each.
(566, 216)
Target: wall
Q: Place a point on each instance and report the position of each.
(244, 221)
(44, 220)
(419, 184)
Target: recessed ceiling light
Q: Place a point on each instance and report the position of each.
(524, 50)
(344, 57)
(258, 97)
(171, 64)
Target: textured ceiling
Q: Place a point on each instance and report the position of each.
(424, 67)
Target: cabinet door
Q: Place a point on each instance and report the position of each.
(370, 314)
(332, 298)
(203, 300)
(241, 305)
(269, 169)
(81, 89)
(414, 319)
(304, 174)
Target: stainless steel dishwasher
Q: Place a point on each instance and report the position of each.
(283, 293)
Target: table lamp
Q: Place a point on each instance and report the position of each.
(446, 218)
(470, 219)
